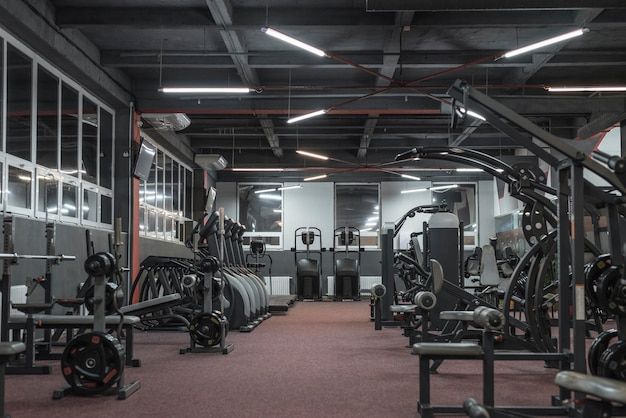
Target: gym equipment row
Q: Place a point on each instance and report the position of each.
(550, 286)
(308, 258)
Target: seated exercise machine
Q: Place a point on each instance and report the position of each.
(93, 362)
(309, 268)
(347, 263)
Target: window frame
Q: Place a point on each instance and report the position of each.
(364, 233)
(257, 234)
(39, 63)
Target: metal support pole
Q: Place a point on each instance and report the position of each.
(7, 228)
(387, 271)
(99, 313)
(563, 248)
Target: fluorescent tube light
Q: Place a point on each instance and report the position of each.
(586, 89)
(450, 186)
(289, 187)
(270, 196)
(373, 218)
(312, 155)
(257, 169)
(209, 90)
(292, 41)
(546, 42)
(306, 116)
(265, 191)
(407, 176)
(278, 211)
(323, 176)
(469, 170)
(413, 191)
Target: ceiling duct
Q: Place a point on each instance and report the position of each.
(167, 121)
(211, 161)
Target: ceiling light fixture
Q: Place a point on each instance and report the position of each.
(278, 211)
(307, 116)
(407, 176)
(270, 196)
(312, 155)
(450, 186)
(257, 169)
(265, 191)
(289, 187)
(550, 41)
(586, 89)
(322, 176)
(208, 90)
(469, 170)
(292, 41)
(412, 191)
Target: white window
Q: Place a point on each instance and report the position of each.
(260, 208)
(358, 205)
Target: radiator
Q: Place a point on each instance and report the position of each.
(280, 285)
(18, 295)
(366, 284)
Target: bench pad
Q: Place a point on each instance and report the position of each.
(152, 303)
(74, 321)
(447, 349)
(402, 308)
(601, 387)
(11, 349)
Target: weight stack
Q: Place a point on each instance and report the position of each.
(443, 241)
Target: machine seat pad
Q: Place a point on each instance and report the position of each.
(447, 349)
(402, 308)
(75, 321)
(159, 302)
(10, 349)
(600, 387)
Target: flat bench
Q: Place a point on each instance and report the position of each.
(153, 305)
(72, 322)
(601, 387)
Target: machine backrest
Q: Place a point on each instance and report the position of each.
(436, 272)
(417, 250)
(489, 275)
(347, 267)
(307, 267)
(473, 262)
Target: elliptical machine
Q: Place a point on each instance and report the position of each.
(309, 268)
(347, 264)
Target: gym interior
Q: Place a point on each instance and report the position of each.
(372, 208)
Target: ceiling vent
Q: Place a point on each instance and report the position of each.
(211, 161)
(167, 121)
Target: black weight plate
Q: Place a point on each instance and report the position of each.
(205, 329)
(607, 284)
(93, 362)
(598, 346)
(592, 275)
(612, 362)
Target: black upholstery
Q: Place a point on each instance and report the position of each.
(346, 267)
(307, 267)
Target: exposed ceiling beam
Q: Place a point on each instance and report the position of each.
(222, 13)
(539, 60)
(478, 5)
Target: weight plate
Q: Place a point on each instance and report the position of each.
(607, 288)
(93, 362)
(205, 329)
(592, 275)
(598, 346)
(612, 362)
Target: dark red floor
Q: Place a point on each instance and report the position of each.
(319, 360)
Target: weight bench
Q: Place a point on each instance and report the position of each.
(8, 351)
(492, 321)
(153, 305)
(605, 389)
(72, 322)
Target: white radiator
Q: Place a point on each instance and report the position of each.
(279, 285)
(18, 295)
(366, 283)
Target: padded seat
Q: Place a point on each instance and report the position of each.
(152, 305)
(402, 308)
(75, 321)
(447, 349)
(600, 387)
(11, 349)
